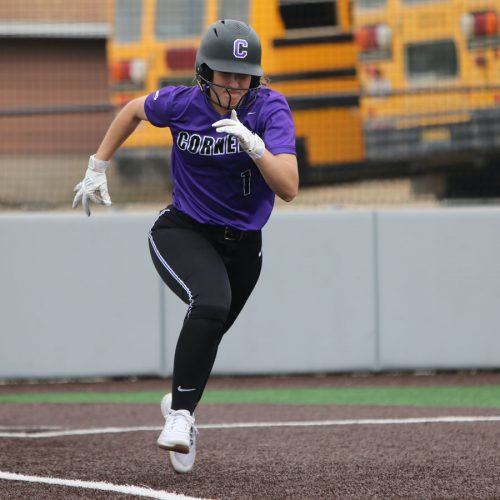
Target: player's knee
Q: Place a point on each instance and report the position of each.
(216, 311)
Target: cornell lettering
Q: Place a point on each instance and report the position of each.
(207, 145)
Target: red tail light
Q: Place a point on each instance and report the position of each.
(365, 38)
(486, 23)
(120, 71)
(375, 37)
(373, 72)
(478, 24)
(180, 58)
(133, 70)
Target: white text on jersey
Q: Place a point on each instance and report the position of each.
(207, 145)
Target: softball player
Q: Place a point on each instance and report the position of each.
(233, 151)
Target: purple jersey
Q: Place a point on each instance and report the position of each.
(216, 182)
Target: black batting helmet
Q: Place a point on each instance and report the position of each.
(229, 46)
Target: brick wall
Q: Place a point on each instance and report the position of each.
(54, 87)
(54, 10)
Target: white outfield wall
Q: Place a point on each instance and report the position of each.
(340, 290)
(78, 296)
(439, 288)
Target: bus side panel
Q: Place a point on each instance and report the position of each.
(317, 74)
(419, 107)
(338, 139)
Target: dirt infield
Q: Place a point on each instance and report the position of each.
(359, 459)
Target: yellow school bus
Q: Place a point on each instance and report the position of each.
(430, 78)
(309, 55)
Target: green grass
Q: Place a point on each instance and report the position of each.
(487, 396)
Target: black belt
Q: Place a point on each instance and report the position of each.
(233, 234)
(226, 233)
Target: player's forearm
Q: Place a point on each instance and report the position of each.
(281, 174)
(279, 171)
(125, 122)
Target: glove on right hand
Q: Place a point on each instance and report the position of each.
(94, 186)
(251, 143)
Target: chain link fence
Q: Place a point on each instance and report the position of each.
(63, 79)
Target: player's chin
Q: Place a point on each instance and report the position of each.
(236, 98)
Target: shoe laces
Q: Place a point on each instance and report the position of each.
(194, 434)
(179, 421)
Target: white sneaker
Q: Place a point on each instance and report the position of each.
(181, 460)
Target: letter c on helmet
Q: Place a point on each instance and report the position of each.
(239, 47)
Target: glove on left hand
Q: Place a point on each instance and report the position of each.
(94, 186)
(251, 143)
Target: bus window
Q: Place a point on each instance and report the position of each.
(302, 15)
(127, 24)
(175, 19)
(370, 4)
(234, 9)
(418, 1)
(431, 61)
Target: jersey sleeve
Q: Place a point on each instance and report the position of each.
(158, 107)
(279, 129)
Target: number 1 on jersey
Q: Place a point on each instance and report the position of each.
(246, 175)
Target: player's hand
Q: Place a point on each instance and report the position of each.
(251, 143)
(94, 186)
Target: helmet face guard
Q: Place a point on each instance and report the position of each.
(204, 79)
(229, 46)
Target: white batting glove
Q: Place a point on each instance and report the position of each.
(94, 186)
(251, 143)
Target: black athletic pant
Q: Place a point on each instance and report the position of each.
(213, 269)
